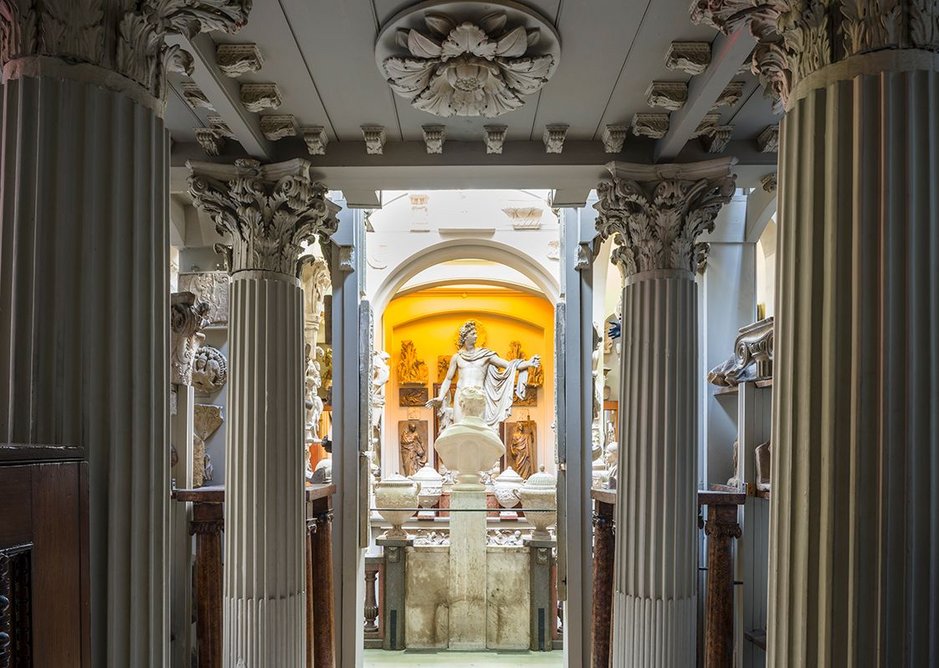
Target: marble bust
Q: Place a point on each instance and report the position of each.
(470, 445)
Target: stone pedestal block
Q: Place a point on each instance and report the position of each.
(468, 569)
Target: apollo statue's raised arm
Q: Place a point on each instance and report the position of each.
(482, 368)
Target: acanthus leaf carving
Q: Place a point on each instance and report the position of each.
(798, 37)
(655, 214)
(187, 318)
(269, 211)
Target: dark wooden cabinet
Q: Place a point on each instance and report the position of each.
(44, 608)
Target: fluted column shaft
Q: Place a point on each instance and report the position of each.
(655, 216)
(657, 503)
(268, 210)
(264, 609)
(854, 565)
(84, 363)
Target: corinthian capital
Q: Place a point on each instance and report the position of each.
(655, 213)
(798, 37)
(268, 210)
(130, 41)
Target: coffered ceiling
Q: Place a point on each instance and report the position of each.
(321, 54)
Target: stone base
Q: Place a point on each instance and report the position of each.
(467, 569)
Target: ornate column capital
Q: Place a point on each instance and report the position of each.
(186, 319)
(655, 213)
(268, 210)
(128, 39)
(797, 37)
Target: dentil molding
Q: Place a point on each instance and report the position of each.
(269, 211)
(655, 213)
(464, 59)
(798, 37)
(107, 34)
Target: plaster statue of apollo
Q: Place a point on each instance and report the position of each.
(482, 368)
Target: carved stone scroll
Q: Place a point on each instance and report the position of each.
(187, 317)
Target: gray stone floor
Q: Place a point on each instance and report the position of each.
(377, 657)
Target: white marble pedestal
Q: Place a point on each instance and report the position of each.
(468, 567)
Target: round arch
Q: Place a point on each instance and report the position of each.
(460, 249)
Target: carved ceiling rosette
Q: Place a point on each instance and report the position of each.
(797, 37)
(655, 213)
(269, 211)
(463, 59)
(132, 43)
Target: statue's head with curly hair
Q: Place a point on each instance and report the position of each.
(468, 329)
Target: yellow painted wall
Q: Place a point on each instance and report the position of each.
(432, 318)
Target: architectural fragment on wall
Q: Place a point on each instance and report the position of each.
(434, 137)
(211, 287)
(278, 126)
(688, 57)
(678, 204)
(237, 59)
(763, 458)
(768, 182)
(211, 141)
(525, 218)
(554, 136)
(209, 370)
(793, 44)
(654, 126)
(218, 125)
(260, 96)
(411, 369)
(194, 96)
(316, 139)
(131, 43)
(187, 318)
(468, 66)
(206, 419)
(374, 136)
(613, 138)
(730, 95)
(269, 211)
(670, 95)
(768, 140)
(494, 136)
(752, 358)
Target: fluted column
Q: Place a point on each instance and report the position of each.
(84, 289)
(655, 215)
(854, 530)
(268, 210)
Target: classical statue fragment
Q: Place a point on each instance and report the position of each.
(187, 317)
(413, 442)
(381, 372)
(483, 369)
(312, 401)
(522, 447)
(763, 456)
(612, 463)
(411, 369)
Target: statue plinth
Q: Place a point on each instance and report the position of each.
(469, 447)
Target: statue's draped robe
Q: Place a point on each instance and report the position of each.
(499, 387)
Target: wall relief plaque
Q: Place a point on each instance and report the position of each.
(412, 440)
(412, 396)
(209, 370)
(211, 287)
(520, 446)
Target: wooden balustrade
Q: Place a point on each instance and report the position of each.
(207, 524)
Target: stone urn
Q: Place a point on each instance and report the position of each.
(392, 493)
(539, 497)
(430, 487)
(504, 487)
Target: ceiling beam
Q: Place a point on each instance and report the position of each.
(728, 53)
(225, 95)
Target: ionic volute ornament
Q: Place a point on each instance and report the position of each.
(655, 213)
(269, 211)
(797, 37)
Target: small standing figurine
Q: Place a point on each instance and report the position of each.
(522, 446)
(413, 451)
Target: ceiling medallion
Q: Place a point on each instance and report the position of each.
(463, 59)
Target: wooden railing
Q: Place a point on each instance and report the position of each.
(722, 529)
(207, 524)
